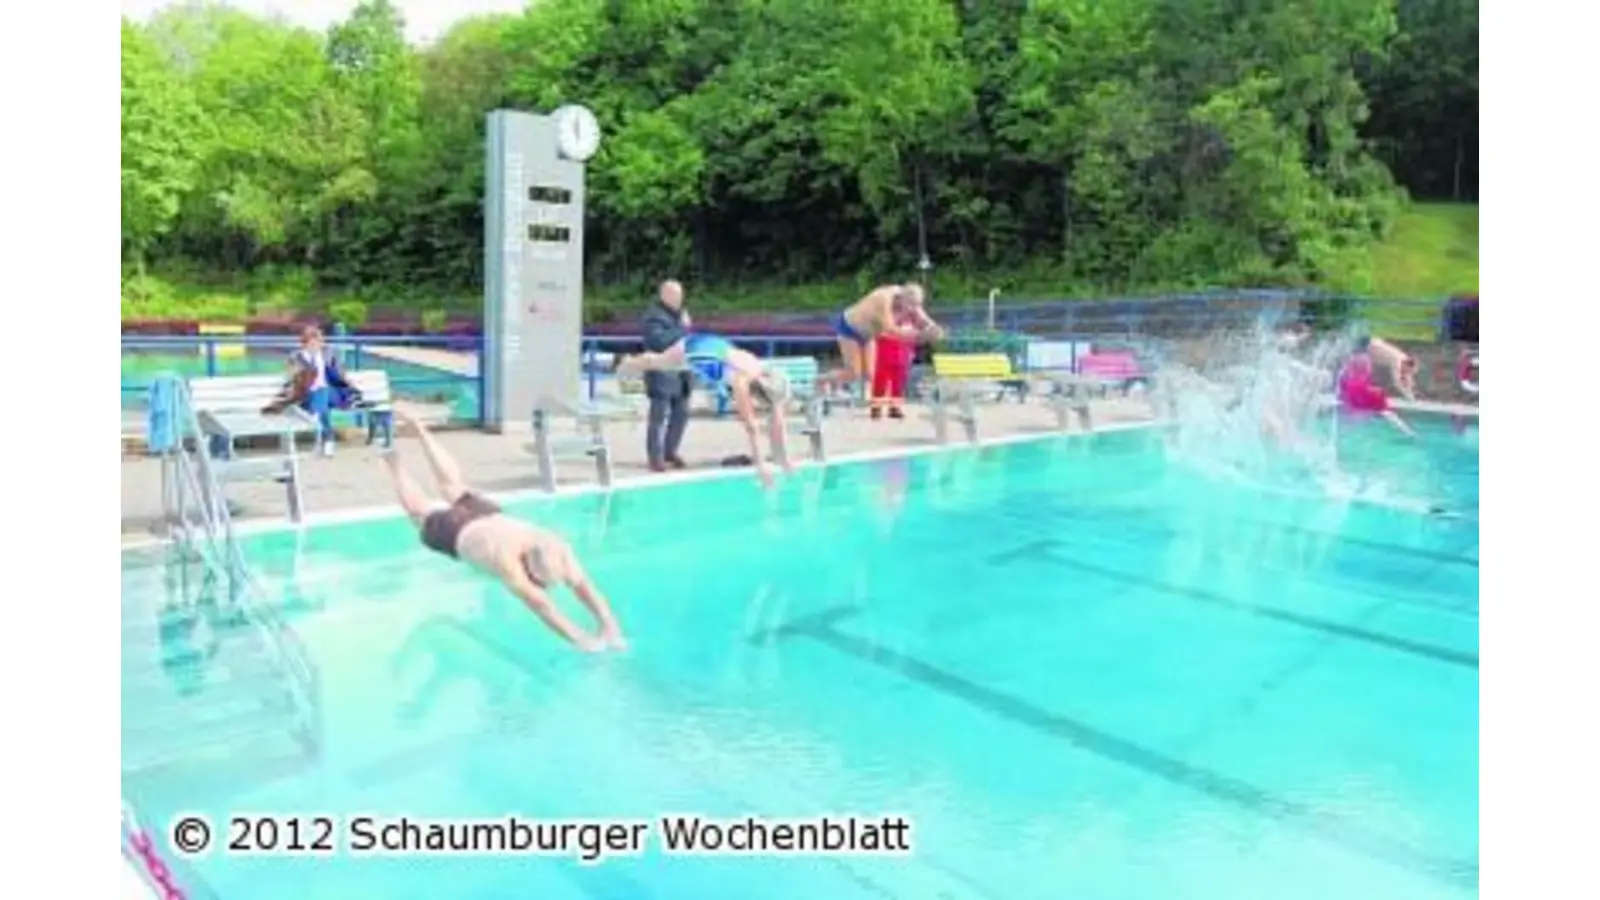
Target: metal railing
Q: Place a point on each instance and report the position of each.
(1169, 317)
(200, 523)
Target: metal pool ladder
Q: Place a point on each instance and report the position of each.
(200, 530)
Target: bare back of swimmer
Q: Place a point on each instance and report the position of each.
(1402, 366)
(879, 312)
(716, 359)
(530, 561)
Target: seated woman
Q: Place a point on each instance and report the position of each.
(717, 360)
(318, 385)
(1359, 394)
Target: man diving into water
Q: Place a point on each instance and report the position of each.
(717, 360)
(530, 561)
(879, 312)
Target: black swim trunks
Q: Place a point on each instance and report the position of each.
(442, 528)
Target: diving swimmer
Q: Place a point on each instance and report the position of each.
(529, 561)
(879, 312)
(1358, 393)
(717, 360)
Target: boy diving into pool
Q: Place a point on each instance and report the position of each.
(530, 561)
(717, 360)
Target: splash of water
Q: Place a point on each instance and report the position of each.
(1253, 408)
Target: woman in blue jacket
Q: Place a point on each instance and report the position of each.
(319, 384)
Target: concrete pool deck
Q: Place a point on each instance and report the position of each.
(354, 479)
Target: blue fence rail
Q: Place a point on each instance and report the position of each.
(462, 389)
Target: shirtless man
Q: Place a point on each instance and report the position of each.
(530, 561)
(879, 312)
(717, 360)
(1402, 366)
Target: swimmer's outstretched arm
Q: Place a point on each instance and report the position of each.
(543, 605)
(589, 594)
(778, 434)
(745, 408)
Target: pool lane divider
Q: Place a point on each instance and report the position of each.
(1318, 823)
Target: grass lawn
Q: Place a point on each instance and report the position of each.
(1432, 252)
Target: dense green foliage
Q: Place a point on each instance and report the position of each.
(1073, 144)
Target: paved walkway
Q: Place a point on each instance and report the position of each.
(452, 361)
(354, 478)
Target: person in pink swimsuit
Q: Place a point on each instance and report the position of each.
(1358, 393)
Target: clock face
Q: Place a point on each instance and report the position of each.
(577, 132)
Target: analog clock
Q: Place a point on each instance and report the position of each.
(577, 132)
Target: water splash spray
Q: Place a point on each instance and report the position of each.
(1254, 408)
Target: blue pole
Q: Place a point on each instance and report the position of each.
(483, 383)
(589, 365)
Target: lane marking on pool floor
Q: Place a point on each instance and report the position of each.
(515, 726)
(256, 527)
(1049, 550)
(1309, 819)
(1099, 532)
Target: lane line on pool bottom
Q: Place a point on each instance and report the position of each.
(1140, 519)
(520, 725)
(1048, 551)
(1317, 822)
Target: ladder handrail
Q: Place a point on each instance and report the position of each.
(214, 542)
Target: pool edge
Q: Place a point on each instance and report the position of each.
(641, 482)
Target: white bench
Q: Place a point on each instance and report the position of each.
(228, 409)
(377, 403)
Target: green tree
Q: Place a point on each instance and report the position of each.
(159, 161)
(1065, 143)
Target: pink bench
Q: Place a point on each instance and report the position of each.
(1112, 368)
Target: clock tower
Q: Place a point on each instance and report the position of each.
(533, 261)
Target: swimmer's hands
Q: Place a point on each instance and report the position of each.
(611, 637)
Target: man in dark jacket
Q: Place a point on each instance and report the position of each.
(666, 323)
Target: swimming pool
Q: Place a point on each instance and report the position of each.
(1077, 667)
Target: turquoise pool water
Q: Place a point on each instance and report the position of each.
(1079, 668)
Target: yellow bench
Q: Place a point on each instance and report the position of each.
(224, 351)
(974, 367)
